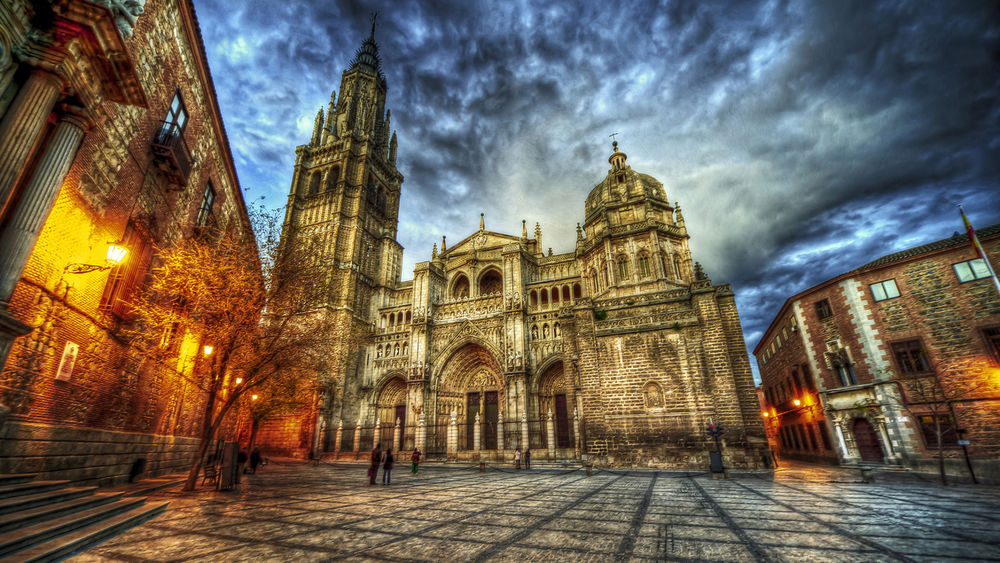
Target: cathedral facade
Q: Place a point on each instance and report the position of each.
(619, 352)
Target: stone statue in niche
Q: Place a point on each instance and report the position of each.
(125, 12)
(653, 395)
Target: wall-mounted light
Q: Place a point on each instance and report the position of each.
(239, 380)
(796, 402)
(116, 255)
(253, 397)
(207, 349)
(765, 415)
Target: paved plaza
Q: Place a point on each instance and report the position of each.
(297, 512)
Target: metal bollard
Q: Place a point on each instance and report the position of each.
(482, 467)
(590, 468)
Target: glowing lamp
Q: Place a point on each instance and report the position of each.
(116, 253)
(797, 402)
(765, 414)
(253, 397)
(208, 349)
(239, 380)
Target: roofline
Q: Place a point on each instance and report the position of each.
(992, 232)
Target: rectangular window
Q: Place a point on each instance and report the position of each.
(128, 274)
(823, 309)
(948, 435)
(910, 357)
(993, 342)
(884, 290)
(206, 205)
(971, 270)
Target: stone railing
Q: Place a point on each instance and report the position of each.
(473, 307)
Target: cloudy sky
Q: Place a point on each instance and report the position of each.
(802, 139)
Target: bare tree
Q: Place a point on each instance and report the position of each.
(246, 304)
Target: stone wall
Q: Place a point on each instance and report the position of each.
(89, 456)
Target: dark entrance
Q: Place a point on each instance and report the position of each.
(471, 410)
(868, 444)
(562, 422)
(490, 421)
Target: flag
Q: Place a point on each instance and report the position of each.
(972, 234)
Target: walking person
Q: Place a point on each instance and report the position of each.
(241, 463)
(254, 459)
(376, 460)
(517, 458)
(415, 460)
(387, 467)
(527, 458)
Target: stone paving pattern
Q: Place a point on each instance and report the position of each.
(296, 512)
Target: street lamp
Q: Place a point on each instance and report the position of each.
(115, 255)
(715, 457)
(207, 349)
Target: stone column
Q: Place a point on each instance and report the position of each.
(339, 439)
(576, 434)
(396, 443)
(421, 438)
(524, 430)
(550, 426)
(453, 435)
(890, 454)
(500, 433)
(477, 439)
(357, 439)
(378, 431)
(21, 126)
(38, 196)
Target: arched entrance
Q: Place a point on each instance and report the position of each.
(390, 406)
(471, 384)
(555, 394)
(867, 441)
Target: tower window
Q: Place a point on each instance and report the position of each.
(911, 357)
(623, 273)
(823, 309)
(643, 266)
(206, 205)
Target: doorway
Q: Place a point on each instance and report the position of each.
(867, 440)
(562, 422)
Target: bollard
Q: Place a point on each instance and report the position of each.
(482, 467)
(867, 475)
(590, 468)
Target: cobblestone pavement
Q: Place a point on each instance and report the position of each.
(297, 512)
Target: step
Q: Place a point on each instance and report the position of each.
(28, 488)
(27, 517)
(149, 486)
(84, 538)
(14, 478)
(24, 502)
(28, 536)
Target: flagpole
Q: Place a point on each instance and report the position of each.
(979, 248)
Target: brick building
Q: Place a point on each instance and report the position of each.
(873, 365)
(110, 136)
(621, 350)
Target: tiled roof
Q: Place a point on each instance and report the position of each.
(954, 240)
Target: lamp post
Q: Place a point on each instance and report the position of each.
(715, 457)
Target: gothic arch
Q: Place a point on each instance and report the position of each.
(391, 395)
(490, 281)
(459, 287)
(448, 354)
(652, 395)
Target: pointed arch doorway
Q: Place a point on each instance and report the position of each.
(472, 379)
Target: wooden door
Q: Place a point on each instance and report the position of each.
(562, 422)
(489, 421)
(471, 410)
(867, 440)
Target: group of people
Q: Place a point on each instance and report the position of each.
(241, 460)
(386, 459)
(526, 457)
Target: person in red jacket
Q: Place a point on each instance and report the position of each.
(415, 460)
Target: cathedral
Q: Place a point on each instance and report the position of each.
(619, 353)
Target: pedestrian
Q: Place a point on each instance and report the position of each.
(241, 463)
(415, 460)
(376, 460)
(254, 459)
(517, 458)
(527, 458)
(387, 467)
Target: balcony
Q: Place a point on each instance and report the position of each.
(171, 154)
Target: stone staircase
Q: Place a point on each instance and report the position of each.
(51, 520)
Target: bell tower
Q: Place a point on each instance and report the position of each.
(345, 195)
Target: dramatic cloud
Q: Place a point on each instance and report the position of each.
(802, 139)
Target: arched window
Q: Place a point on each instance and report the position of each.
(677, 267)
(623, 274)
(331, 179)
(555, 295)
(408, 317)
(491, 282)
(644, 266)
(545, 297)
(314, 183)
(577, 293)
(533, 298)
(605, 274)
(460, 289)
(565, 290)
(594, 289)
